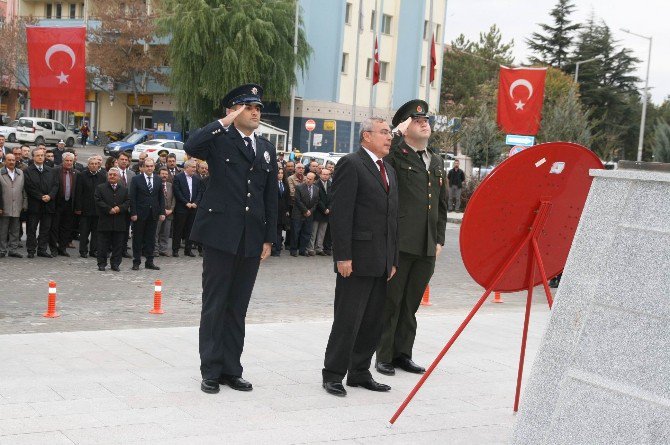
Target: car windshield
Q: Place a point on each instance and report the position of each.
(152, 143)
(133, 137)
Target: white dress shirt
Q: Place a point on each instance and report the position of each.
(189, 181)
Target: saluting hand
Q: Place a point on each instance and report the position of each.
(402, 127)
(230, 117)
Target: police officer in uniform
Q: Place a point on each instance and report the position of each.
(236, 223)
(422, 187)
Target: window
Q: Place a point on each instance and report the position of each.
(170, 145)
(81, 10)
(437, 33)
(386, 24)
(347, 14)
(345, 62)
(45, 125)
(73, 11)
(383, 68)
(59, 127)
(373, 16)
(368, 69)
(422, 79)
(59, 10)
(48, 13)
(426, 29)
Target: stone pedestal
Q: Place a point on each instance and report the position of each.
(602, 374)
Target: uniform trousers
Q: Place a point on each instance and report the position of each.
(227, 282)
(405, 291)
(88, 226)
(356, 328)
(9, 234)
(34, 242)
(61, 227)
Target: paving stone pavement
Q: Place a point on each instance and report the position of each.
(137, 386)
(287, 290)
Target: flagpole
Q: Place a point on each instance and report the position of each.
(375, 50)
(429, 53)
(353, 106)
(293, 87)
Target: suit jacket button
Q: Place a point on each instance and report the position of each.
(248, 195)
(429, 184)
(430, 195)
(251, 169)
(428, 206)
(248, 181)
(210, 210)
(227, 160)
(246, 209)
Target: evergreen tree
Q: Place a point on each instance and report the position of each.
(608, 88)
(217, 45)
(553, 46)
(661, 144)
(482, 140)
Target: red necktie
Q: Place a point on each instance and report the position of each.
(382, 170)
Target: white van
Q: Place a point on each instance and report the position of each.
(38, 130)
(320, 157)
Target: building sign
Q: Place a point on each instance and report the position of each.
(328, 125)
(145, 100)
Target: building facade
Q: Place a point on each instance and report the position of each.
(325, 93)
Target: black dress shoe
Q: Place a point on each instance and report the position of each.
(371, 385)
(406, 364)
(83, 255)
(151, 266)
(294, 254)
(101, 268)
(44, 254)
(14, 255)
(237, 383)
(31, 255)
(189, 253)
(63, 253)
(385, 368)
(116, 269)
(136, 267)
(209, 386)
(163, 254)
(335, 388)
(126, 255)
(175, 253)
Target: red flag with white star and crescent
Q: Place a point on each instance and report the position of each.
(375, 66)
(520, 97)
(57, 68)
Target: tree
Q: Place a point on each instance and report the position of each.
(467, 65)
(123, 48)
(219, 44)
(13, 53)
(553, 47)
(608, 88)
(661, 144)
(481, 139)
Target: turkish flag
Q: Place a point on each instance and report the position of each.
(520, 97)
(433, 60)
(57, 67)
(375, 66)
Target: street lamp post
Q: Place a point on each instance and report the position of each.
(644, 95)
(583, 61)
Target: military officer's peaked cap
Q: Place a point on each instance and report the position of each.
(413, 108)
(248, 94)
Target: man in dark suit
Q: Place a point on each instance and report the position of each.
(112, 203)
(302, 216)
(364, 222)
(164, 229)
(320, 225)
(84, 206)
(41, 188)
(423, 205)
(186, 189)
(283, 211)
(171, 164)
(127, 175)
(61, 230)
(147, 207)
(236, 222)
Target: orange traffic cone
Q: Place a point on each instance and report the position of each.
(158, 297)
(51, 305)
(425, 300)
(497, 298)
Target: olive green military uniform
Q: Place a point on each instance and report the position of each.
(422, 217)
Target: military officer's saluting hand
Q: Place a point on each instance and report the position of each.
(236, 222)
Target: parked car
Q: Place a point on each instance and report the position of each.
(128, 143)
(9, 131)
(153, 147)
(38, 130)
(319, 157)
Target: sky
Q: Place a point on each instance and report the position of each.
(517, 19)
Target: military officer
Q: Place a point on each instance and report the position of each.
(236, 223)
(422, 220)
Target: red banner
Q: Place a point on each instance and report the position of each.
(57, 67)
(520, 97)
(433, 60)
(375, 67)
